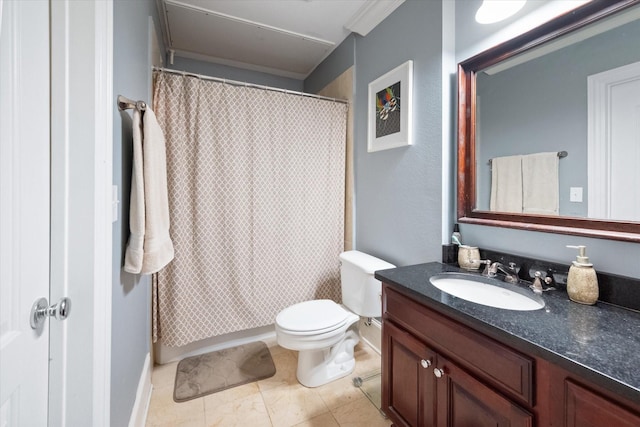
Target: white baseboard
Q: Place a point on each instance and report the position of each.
(143, 396)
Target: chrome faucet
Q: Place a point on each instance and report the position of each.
(511, 271)
(536, 286)
(487, 264)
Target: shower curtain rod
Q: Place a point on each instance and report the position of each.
(239, 83)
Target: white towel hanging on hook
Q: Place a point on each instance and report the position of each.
(150, 247)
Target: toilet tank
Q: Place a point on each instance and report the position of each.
(361, 292)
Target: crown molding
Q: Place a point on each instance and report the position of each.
(370, 15)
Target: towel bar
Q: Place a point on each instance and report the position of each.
(128, 104)
(561, 154)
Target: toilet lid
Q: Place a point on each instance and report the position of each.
(310, 316)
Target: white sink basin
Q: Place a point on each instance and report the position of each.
(487, 291)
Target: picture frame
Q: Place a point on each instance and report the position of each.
(390, 109)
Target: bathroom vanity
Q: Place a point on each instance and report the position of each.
(450, 362)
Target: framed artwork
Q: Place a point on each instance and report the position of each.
(390, 109)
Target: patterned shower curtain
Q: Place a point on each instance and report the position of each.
(256, 195)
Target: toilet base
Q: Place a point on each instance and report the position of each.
(319, 367)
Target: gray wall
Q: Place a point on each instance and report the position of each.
(398, 192)
(542, 106)
(232, 73)
(607, 255)
(333, 66)
(131, 294)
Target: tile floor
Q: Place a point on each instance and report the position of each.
(279, 401)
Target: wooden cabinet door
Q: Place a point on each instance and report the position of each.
(463, 401)
(585, 408)
(408, 384)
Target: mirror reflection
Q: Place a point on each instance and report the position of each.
(580, 96)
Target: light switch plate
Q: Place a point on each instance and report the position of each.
(575, 194)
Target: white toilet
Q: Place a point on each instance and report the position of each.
(325, 332)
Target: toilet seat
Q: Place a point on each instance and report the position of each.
(312, 318)
(313, 325)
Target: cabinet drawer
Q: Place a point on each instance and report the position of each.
(485, 358)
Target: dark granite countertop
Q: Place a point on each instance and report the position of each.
(600, 343)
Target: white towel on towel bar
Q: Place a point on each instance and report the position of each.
(506, 184)
(540, 182)
(150, 247)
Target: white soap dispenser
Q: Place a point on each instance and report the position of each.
(582, 283)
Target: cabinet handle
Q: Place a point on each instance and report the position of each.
(425, 363)
(439, 373)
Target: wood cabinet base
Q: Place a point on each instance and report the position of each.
(439, 372)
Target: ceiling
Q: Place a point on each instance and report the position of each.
(282, 37)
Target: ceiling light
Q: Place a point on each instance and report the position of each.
(496, 10)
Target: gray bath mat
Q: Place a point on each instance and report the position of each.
(208, 373)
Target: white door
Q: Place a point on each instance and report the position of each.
(614, 144)
(625, 150)
(24, 209)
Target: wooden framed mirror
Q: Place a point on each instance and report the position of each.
(602, 21)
